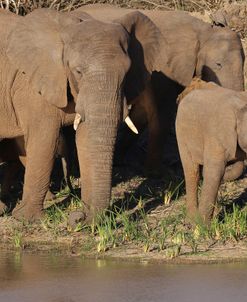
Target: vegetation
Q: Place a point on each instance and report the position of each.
(166, 232)
(23, 7)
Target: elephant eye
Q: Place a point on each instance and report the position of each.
(78, 71)
(219, 66)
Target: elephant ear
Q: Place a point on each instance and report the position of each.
(241, 116)
(36, 49)
(182, 61)
(144, 46)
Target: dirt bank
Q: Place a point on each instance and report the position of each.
(150, 228)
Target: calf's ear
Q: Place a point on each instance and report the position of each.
(242, 128)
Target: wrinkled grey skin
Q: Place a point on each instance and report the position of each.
(53, 65)
(211, 127)
(193, 48)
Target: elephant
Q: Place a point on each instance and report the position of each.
(189, 47)
(54, 65)
(211, 127)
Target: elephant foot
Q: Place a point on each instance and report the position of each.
(79, 216)
(24, 211)
(76, 217)
(193, 217)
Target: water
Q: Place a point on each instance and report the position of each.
(42, 278)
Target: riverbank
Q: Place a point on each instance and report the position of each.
(151, 228)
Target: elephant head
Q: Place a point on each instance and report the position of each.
(221, 59)
(212, 53)
(66, 55)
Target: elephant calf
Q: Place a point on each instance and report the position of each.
(211, 127)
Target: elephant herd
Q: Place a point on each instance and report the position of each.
(98, 65)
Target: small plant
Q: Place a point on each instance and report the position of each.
(55, 216)
(17, 239)
(179, 238)
(129, 227)
(173, 251)
(192, 242)
(162, 235)
(172, 192)
(105, 227)
(146, 246)
(232, 227)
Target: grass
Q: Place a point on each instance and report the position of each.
(17, 239)
(170, 234)
(167, 232)
(23, 7)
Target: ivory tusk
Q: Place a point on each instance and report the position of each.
(77, 121)
(130, 124)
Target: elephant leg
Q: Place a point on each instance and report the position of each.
(67, 172)
(191, 173)
(68, 153)
(41, 149)
(213, 171)
(159, 126)
(145, 113)
(234, 171)
(49, 194)
(63, 151)
(160, 107)
(155, 133)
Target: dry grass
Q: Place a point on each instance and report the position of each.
(23, 7)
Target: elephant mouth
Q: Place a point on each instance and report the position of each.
(128, 121)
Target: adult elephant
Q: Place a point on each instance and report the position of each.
(195, 49)
(53, 65)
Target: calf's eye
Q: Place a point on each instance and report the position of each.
(78, 71)
(219, 66)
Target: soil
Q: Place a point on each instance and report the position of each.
(40, 237)
(128, 182)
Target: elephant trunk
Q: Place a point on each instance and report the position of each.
(95, 140)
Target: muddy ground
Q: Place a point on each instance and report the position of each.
(132, 191)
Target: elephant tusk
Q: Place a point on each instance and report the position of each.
(77, 121)
(130, 124)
